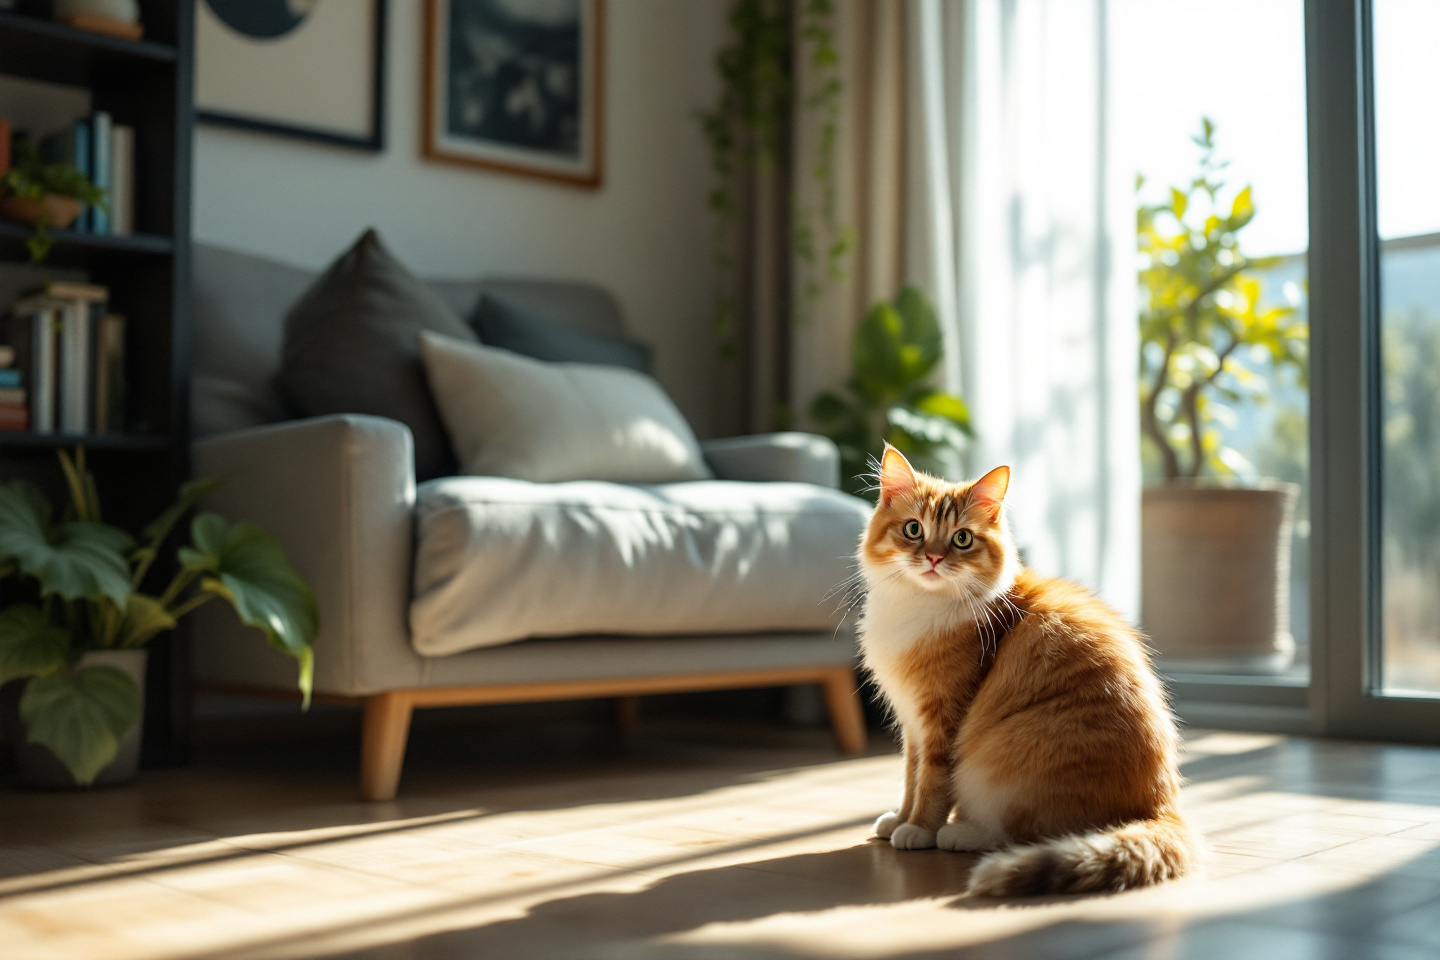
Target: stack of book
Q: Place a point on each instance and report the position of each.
(105, 152)
(71, 354)
(14, 412)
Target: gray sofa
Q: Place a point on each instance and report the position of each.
(340, 493)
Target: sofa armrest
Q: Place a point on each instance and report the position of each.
(798, 457)
(338, 492)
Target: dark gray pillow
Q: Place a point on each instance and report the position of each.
(511, 327)
(352, 345)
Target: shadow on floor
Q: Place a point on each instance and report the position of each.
(308, 788)
(1354, 924)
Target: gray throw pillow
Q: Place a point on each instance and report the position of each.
(352, 345)
(513, 416)
(512, 327)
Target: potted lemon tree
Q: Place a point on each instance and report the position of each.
(73, 636)
(1215, 549)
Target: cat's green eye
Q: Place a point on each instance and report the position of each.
(963, 539)
(912, 529)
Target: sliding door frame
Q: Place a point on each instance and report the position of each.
(1345, 400)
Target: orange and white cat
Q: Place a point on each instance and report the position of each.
(1028, 706)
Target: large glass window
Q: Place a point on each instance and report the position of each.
(1213, 97)
(1407, 143)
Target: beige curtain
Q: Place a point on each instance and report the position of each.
(978, 159)
(870, 191)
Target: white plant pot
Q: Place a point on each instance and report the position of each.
(38, 767)
(1215, 582)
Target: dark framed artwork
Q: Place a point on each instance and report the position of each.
(516, 85)
(313, 69)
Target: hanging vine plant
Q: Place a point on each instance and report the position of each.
(818, 230)
(749, 130)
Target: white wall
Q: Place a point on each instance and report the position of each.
(643, 234)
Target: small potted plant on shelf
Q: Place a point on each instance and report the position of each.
(889, 396)
(44, 195)
(74, 636)
(1216, 550)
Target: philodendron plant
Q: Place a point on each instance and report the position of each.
(889, 397)
(83, 578)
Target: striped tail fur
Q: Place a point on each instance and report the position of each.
(1135, 854)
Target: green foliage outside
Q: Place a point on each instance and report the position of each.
(889, 397)
(1411, 356)
(81, 580)
(30, 178)
(1204, 332)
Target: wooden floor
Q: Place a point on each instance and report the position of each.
(689, 842)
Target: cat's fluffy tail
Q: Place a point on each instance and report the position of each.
(1131, 855)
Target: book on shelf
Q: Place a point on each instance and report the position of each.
(71, 353)
(33, 335)
(14, 411)
(122, 180)
(102, 130)
(110, 374)
(4, 146)
(105, 152)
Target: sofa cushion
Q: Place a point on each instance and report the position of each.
(574, 305)
(352, 346)
(511, 416)
(240, 306)
(500, 560)
(500, 322)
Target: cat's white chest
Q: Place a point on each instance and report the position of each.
(892, 627)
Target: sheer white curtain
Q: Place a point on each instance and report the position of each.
(1020, 222)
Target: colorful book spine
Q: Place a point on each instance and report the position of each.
(102, 131)
(14, 404)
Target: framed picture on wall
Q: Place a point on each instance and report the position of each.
(313, 69)
(516, 85)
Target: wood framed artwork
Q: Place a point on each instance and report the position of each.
(516, 85)
(313, 69)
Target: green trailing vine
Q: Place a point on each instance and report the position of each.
(745, 130)
(30, 178)
(748, 129)
(814, 229)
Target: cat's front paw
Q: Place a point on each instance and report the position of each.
(908, 836)
(886, 824)
(962, 836)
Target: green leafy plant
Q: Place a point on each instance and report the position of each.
(83, 579)
(889, 397)
(748, 130)
(30, 178)
(1204, 332)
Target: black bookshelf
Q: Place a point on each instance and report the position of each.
(146, 84)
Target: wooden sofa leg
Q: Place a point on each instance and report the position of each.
(847, 719)
(382, 744)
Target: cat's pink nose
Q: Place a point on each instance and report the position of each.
(934, 559)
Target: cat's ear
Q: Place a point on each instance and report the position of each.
(897, 477)
(988, 492)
